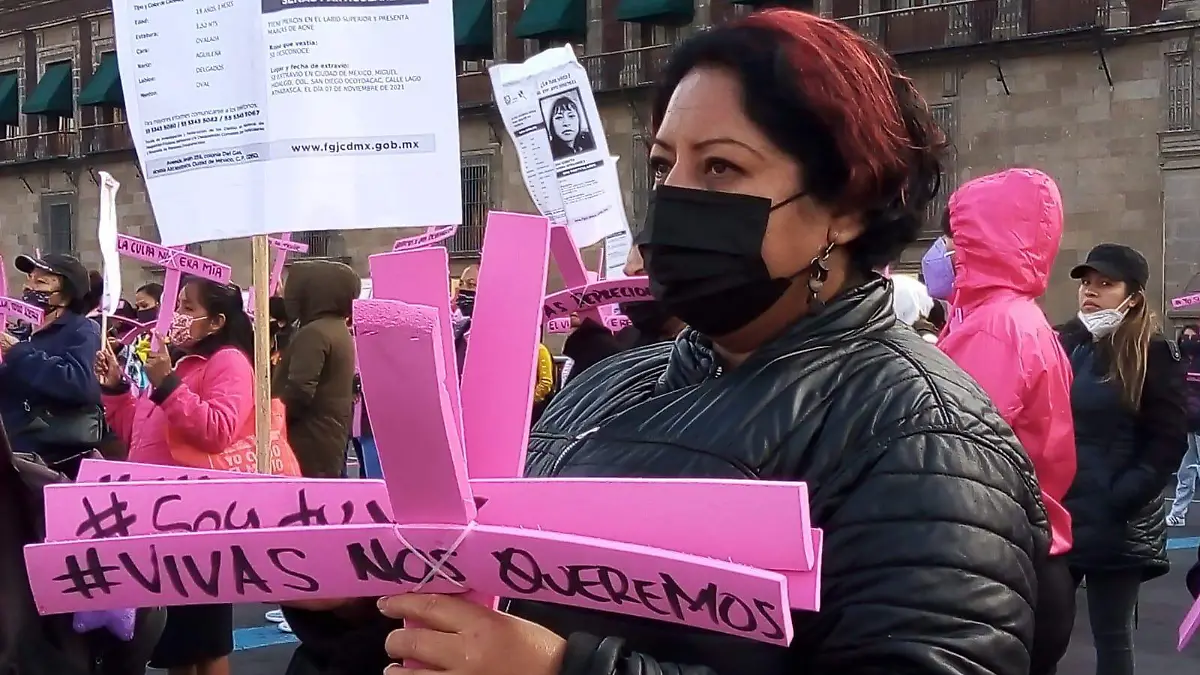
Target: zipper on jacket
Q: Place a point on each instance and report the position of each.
(570, 450)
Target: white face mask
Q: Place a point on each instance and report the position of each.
(1103, 322)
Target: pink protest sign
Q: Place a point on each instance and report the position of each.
(1193, 377)
(23, 311)
(429, 238)
(280, 565)
(589, 296)
(120, 509)
(444, 539)
(1185, 301)
(177, 263)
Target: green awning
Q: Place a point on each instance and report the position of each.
(552, 20)
(656, 11)
(473, 23)
(10, 102)
(52, 96)
(104, 89)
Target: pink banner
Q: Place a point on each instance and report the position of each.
(1185, 301)
(429, 238)
(613, 322)
(124, 509)
(610, 292)
(280, 565)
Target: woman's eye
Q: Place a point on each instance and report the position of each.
(659, 169)
(718, 167)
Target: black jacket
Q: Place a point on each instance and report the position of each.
(1124, 458)
(934, 528)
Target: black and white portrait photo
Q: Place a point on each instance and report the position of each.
(568, 127)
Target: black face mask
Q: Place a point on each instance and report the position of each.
(465, 302)
(703, 253)
(38, 298)
(650, 317)
(147, 315)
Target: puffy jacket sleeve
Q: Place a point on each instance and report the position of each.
(993, 362)
(66, 374)
(1161, 427)
(305, 359)
(211, 416)
(939, 521)
(545, 375)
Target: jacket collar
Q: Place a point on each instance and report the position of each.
(856, 312)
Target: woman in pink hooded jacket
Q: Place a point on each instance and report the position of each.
(203, 393)
(1003, 233)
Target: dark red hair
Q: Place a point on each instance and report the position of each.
(840, 106)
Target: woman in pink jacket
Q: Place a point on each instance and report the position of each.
(1002, 235)
(203, 392)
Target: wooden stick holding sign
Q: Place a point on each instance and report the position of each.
(260, 247)
(430, 528)
(177, 263)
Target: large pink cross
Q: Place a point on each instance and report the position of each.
(729, 556)
(176, 262)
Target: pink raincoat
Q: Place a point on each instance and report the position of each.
(1006, 229)
(208, 404)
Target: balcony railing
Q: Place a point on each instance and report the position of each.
(952, 23)
(957, 23)
(107, 137)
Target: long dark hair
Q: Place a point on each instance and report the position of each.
(225, 299)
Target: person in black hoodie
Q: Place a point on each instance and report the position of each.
(1131, 427)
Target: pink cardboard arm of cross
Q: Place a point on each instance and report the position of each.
(177, 263)
(428, 527)
(1185, 301)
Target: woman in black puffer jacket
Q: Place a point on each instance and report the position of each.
(1130, 434)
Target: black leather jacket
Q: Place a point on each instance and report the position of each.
(934, 528)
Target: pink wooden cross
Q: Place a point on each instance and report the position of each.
(146, 543)
(176, 262)
(282, 245)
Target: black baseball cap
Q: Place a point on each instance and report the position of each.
(1117, 262)
(75, 275)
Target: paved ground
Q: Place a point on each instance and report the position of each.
(264, 650)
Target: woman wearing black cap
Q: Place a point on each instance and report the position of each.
(1130, 433)
(49, 396)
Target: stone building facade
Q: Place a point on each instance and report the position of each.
(1101, 94)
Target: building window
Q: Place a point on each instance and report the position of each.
(476, 177)
(640, 181)
(318, 243)
(194, 249)
(57, 231)
(1179, 91)
(945, 115)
